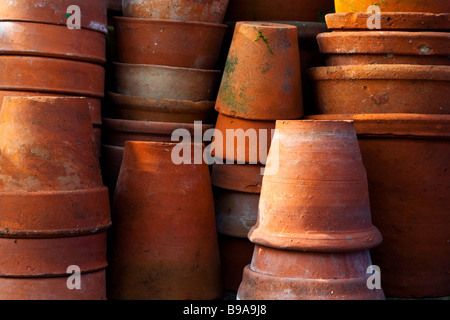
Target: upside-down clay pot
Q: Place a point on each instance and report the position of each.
(61, 76)
(316, 195)
(165, 82)
(185, 44)
(389, 21)
(242, 141)
(164, 245)
(185, 10)
(296, 275)
(406, 157)
(262, 78)
(38, 39)
(50, 170)
(281, 10)
(435, 6)
(161, 110)
(381, 89)
(93, 13)
(385, 47)
(237, 177)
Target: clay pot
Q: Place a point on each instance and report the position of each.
(382, 89)
(186, 10)
(262, 79)
(242, 141)
(389, 21)
(23, 73)
(165, 244)
(385, 47)
(38, 39)
(168, 42)
(58, 189)
(235, 254)
(117, 131)
(163, 82)
(435, 6)
(238, 177)
(161, 110)
(291, 275)
(281, 10)
(406, 157)
(95, 104)
(325, 206)
(54, 288)
(93, 13)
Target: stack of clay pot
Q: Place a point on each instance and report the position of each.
(394, 83)
(41, 55)
(165, 71)
(261, 84)
(54, 208)
(314, 229)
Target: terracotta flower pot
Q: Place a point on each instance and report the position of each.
(242, 141)
(50, 170)
(165, 243)
(38, 39)
(435, 6)
(325, 206)
(292, 275)
(382, 89)
(238, 177)
(281, 10)
(406, 157)
(161, 110)
(163, 82)
(95, 104)
(117, 131)
(186, 10)
(395, 21)
(262, 79)
(235, 254)
(24, 73)
(185, 44)
(385, 47)
(54, 288)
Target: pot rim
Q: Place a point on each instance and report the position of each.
(181, 23)
(155, 67)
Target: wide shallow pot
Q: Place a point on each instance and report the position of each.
(185, 10)
(394, 21)
(95, 104)
(385, 47)
(93, 287)
(165, 243)
(406, 157)
(161, 110)
(382, 89)
(50, 170)
(281, 10)
(316, 197)
(292, 275)
(435, 6)
(163, 82)
(25, 73)
(242, 141)
(47, 40)
(186, 44)
(92, 13)
(117, 131)
(262, 79)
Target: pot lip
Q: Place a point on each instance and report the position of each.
(247, 123)
(409, 20)
(266, 24)
(155, 67)
(235, 180)
(381, 72)
(180, 23)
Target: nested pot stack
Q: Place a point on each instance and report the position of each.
(314, 230)
(55, 208)
(393, 83)
(41, 55)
